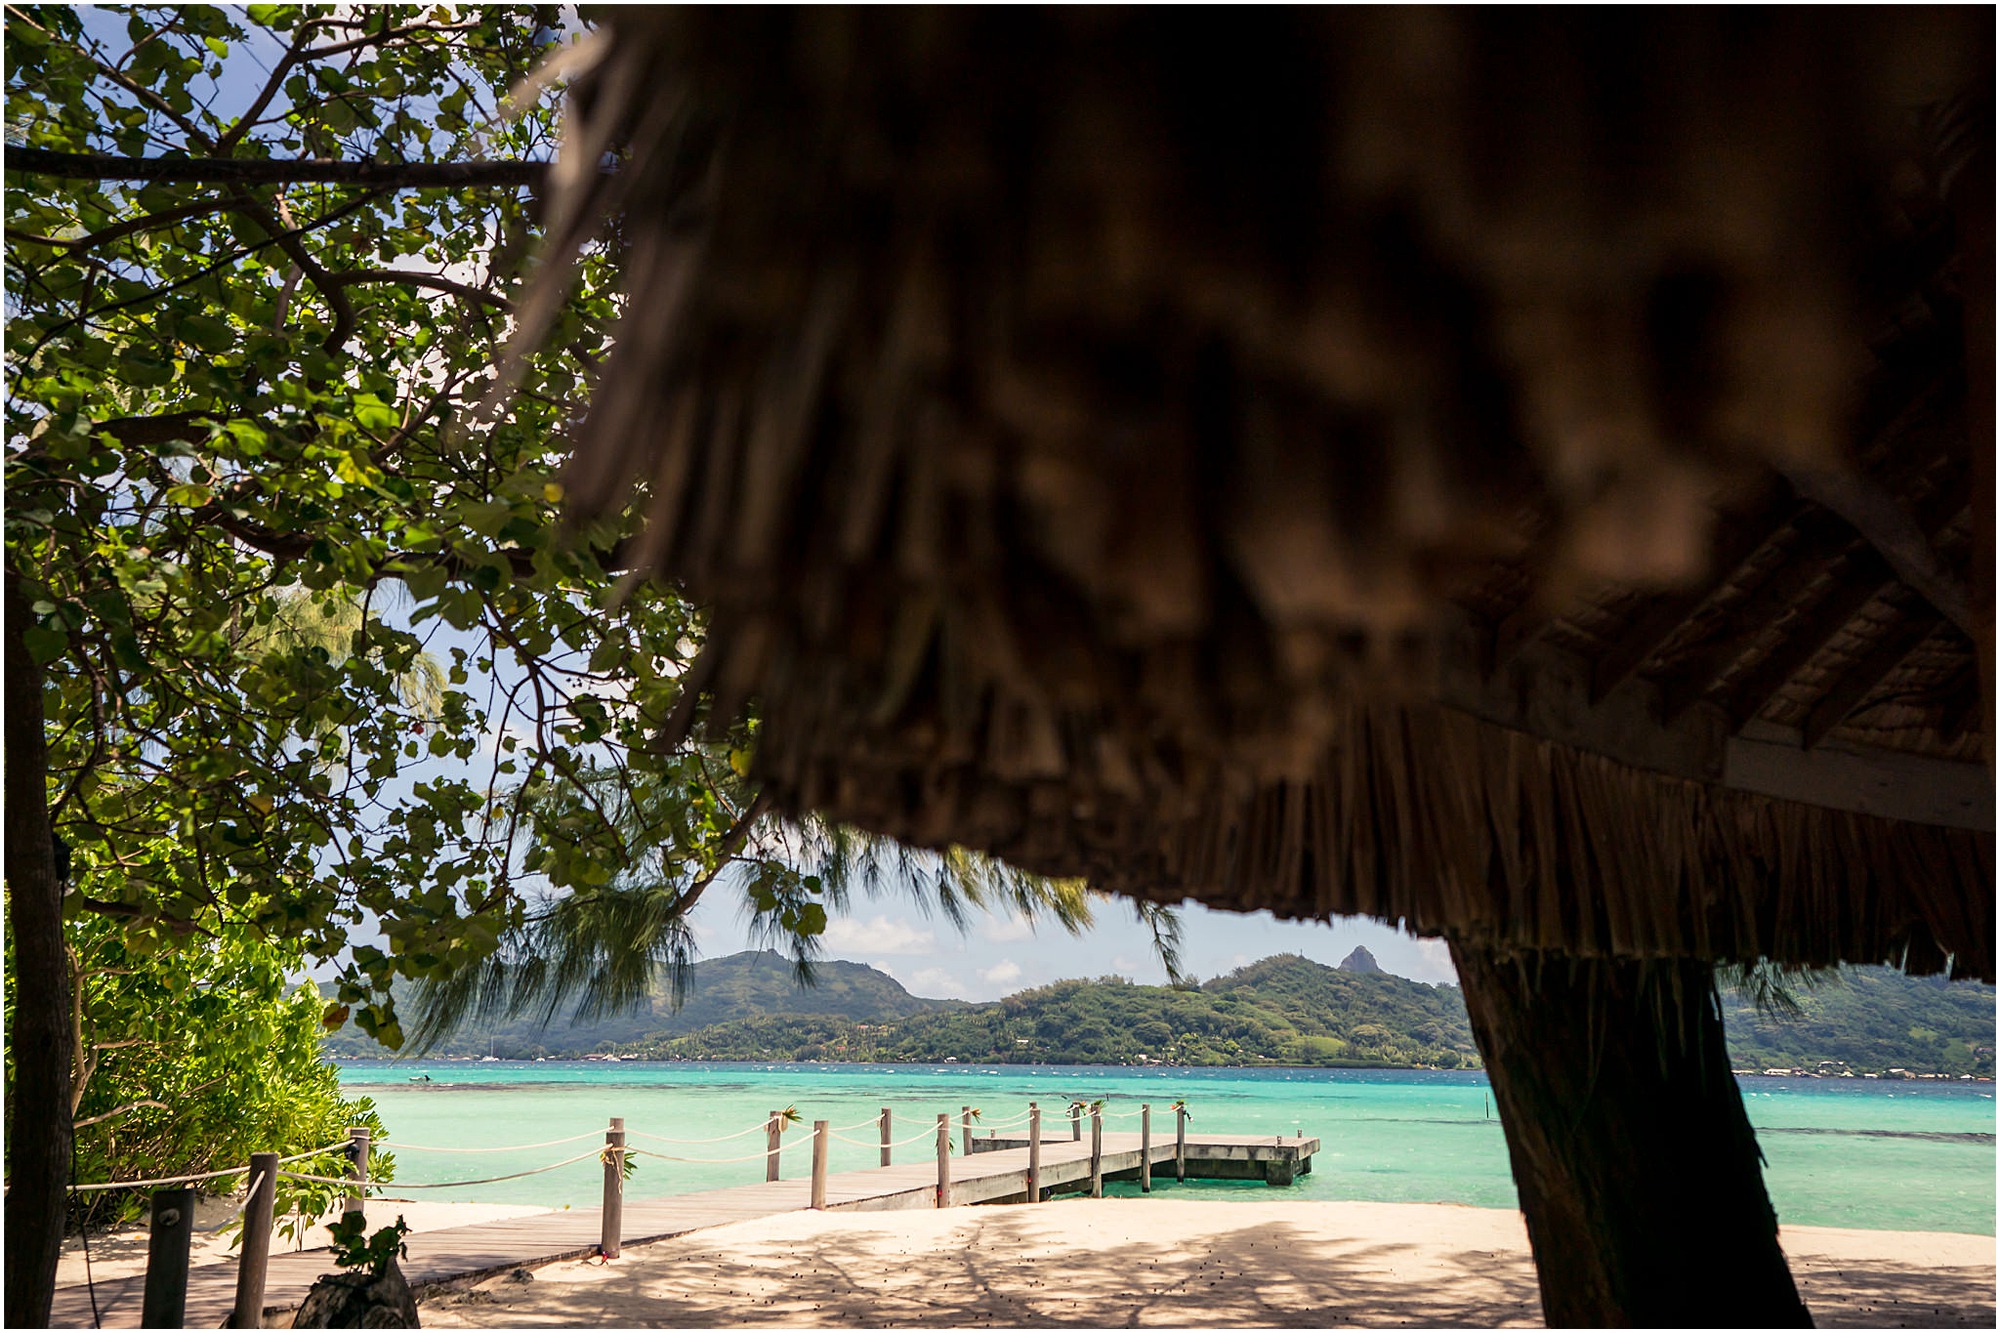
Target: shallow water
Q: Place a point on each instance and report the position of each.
(1841, 1153)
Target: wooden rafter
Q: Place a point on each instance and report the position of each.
(1855, 684)
(1665, 615)
(1805, 641)
(1895, 533)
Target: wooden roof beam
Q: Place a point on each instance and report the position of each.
(1855, 684)
(1804, 643)
(1894, 532)
(1665, 615)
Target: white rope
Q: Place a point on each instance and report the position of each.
(400, 1146)
(446, 1184)
(709, 1161)
(871, 1120)
(256, 1182)
(929, 1132)
(163, 1180)
(720, 1138)
(315, 1152)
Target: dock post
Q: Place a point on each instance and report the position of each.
(1034, 1153)
(965, 1127)
(254, 1261)
(357, 1167)
(1076, 1122)
(1096, 1153)
(944, 1160)
(773, 1129)
(613, 1228)
(819, 1165)
(1145, 1147)
(167, 1240)
(1180, 1143)
(885, 1136)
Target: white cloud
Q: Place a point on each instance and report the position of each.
(1436, 956)
(846, 938)
(1008, 929)
(1001, 973)
(936, 983)
(1124, 966)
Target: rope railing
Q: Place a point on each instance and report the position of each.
(160, 1180)
(400, 1146)
(929, 1132)
(710, 1161)
(875, 1119)
(315, 1152)
(452, 1184)
(757, 1128)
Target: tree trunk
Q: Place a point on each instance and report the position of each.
(38, 1120)
(1638, 1173)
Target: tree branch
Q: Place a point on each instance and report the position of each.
(435, 283)
(274, 171)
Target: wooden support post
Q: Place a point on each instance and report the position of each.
(819, 1164)
(1634, 1160)
(965, 1127)
(165, 1304)
(1075, 1124)
(774, 1130)
(357, 1168)
(1096, 1153)
(254, 1260)
(613, 1228)
(1180, 1143)
(944, 1160)
(885, 1136)
(1145, 1148)
(1034, 1153)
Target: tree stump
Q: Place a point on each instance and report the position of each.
(359, 1300)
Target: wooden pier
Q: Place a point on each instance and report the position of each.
(996, 1170)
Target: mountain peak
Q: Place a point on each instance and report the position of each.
(1360, 961)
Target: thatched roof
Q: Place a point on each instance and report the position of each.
(1505, 472)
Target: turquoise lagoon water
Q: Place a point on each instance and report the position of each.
(1840, 1152)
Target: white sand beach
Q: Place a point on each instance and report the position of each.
(1158, 1263)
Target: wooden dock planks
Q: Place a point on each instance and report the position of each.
(988, 1173)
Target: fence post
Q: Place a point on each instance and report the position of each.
(612, 1229)
(944, 1159)
(885, 1136)
(965, 1127)
(357, 1168)
(1034, 1153)
(774, 1130)
(1180, 1143)
(254, 1261)
(819, 1164)
(1096, 1153)
(167, 1240)
(1145, 1147)
(1076, 1124)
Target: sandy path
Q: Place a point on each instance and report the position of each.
(1155, 1262)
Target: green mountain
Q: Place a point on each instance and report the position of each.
(1284, 1010)
(723, 989)
(1871, 1019)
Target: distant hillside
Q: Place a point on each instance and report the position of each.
(742, 985)
(1871, 1019)
(1284, 1010)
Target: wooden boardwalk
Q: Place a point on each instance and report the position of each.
(995, 1170)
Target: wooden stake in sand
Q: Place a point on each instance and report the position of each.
(885, 1136)
(357, 1167)
(167, 1242)
(1145, 1147)
(944, 1160)
(1034, 1153)
(773, 1130)
(1096, 1153)
(613, 1228)
(819, 1165)
(251, 1264)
